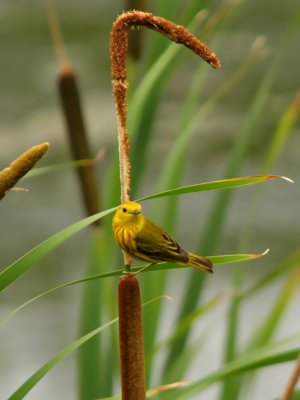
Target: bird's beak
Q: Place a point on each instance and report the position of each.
(136, 212)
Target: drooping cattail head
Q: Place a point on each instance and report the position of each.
(118, 54)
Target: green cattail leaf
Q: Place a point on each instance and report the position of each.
(25, 388)
(270, 354)
(216, 185)
(22, 391)
(13, 271)
(216, 260)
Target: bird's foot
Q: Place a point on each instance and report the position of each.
(132, 274)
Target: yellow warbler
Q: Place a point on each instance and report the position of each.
(140, 238)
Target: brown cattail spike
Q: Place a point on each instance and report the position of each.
(118, 54)
(176, 33)
(18, 168)
(77, 137)
(131, 340)
(73, 115)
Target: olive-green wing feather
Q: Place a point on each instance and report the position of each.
(154, 244)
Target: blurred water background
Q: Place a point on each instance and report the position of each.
(30, 114)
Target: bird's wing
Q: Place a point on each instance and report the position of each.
(157, 245)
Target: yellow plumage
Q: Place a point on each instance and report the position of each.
(140, 238)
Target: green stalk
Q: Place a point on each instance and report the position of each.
(215, 222)
(89, 355)
(232, 386)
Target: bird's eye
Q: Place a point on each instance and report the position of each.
(124, 210)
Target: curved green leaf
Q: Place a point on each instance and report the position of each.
(262, 357)
(292, 261)
(58, 168)
(13, 271)
(21, 392)
(25, 388)
(216, 185)
(223, 259)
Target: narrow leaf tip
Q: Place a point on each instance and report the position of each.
(287, 179)
(166, 297)
(265, 252)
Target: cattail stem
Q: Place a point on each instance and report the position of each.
(289, 390)
(131, 340)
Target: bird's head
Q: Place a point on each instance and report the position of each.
(128, 212)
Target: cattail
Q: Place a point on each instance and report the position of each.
(11, 175)
(74, 120)
(78, 139)
(131, 340)
(130, 314)
(118, 54)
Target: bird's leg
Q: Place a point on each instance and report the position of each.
(136, 273)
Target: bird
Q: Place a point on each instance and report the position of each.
(142, 239)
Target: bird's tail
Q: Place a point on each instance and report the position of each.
(200, 262)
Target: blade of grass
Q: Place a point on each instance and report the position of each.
(277, 143)
(90, 369)
(153, 392)
(187, 323)
(265, 330)
(229, 183)
(143, 105)
(216, 260)
(25, 262)
(145, 101)
(233, 387)
(264, 356)
(172, 172)
(60, 167)
(216, 217)
(289, 263)
(13, 271)
(216, 185)
(174, 166)
(236, 367)
(186, 358)
(167, 9)
(264, 333)
(193, 8)
(25, 388)
(281, 134)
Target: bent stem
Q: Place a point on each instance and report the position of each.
(130, 314)
(118, 52)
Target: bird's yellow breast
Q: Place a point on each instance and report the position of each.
(125, 232)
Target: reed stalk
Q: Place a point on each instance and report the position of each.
(130, 315)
